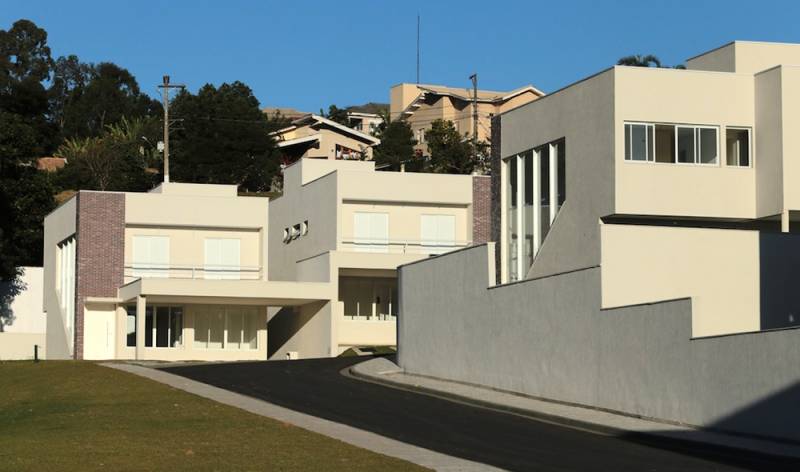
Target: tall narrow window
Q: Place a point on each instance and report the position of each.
(130, 326)
(544, 193)
(737, 143)
(528, 207)
(511, 214)
(535, 191)
(66, 283)
(665, 143)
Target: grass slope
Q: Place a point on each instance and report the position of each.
(61, 415)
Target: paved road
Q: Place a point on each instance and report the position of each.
(504, 440)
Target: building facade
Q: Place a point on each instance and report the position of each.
(346, 224)
(421, 105)
(194, 271)
(315, 137)
(648, 249)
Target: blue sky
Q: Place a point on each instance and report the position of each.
(310, 54)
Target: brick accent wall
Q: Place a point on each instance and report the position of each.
(100, 257)
(494, 165)
(481, 209)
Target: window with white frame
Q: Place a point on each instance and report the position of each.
(437, 233)
(371, 231)
(150, 256)
(163, 326)
(535, 192)
(222, 258)
(737, 144)
(674, 144)
(226, 327)
(66, 283)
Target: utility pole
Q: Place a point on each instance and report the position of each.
(474, 79)
(417, 48)
(165, 86)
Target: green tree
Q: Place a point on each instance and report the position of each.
(25, 134)
(116, 161)
(336, 114)
(649, 60)
(110, 94)
(223, 137)
(450, 152)
(397, 143)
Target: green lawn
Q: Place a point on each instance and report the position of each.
(62, 415)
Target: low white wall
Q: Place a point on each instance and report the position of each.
(18, 346)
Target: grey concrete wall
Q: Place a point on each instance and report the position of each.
(582, 114)
(549, 338)
(315, 202)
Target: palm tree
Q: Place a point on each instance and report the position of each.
(638, 60)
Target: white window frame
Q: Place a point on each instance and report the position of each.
(154, 328)
(651, 159)
(749, 144)
(648, 126)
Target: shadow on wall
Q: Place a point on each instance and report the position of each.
(780, 280)
(777, 410)
(282, 327)
(8, 292)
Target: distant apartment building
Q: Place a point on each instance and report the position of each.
(420, 105)
(315, 137)
(194, 271)
(364, 122)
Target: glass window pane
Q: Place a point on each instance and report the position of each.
(176, 326)
(527, 210)
(201, 329)
(685, 145)
(562, 173)
(738, 147)
(216, 326)
(251, 328)
(544, 185)
(131, 326)
(234, 328)
(628, 143)
(639, 143)
(708, 145)
(162, 326)
(665, 143)
(511, 214)
(148, 326)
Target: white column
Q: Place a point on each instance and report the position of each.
(785, 221)
(141, 303)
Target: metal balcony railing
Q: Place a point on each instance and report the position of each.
(208, 272)
(401, 246)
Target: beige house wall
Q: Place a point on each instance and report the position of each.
(683, 97)
(718, 269)
(58, 226)
(19, 346)
(404, 222)
(747, 57)
(187, 249)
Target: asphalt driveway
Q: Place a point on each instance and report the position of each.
(317, 387)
